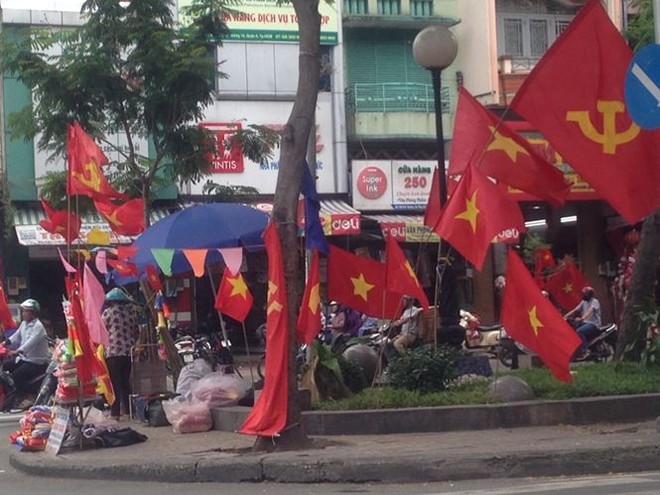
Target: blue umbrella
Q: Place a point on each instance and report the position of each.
(209, 225)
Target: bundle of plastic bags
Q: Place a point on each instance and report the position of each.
(187, 416)
(219, 389)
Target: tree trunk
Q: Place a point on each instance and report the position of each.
(642, 291)
(292, 158)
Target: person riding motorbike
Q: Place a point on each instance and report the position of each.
(589, 321)
(30, 358)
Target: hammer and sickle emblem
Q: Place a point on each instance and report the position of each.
(609, 137)
(113, 219)
(90, 176)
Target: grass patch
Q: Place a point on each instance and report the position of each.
(590, 380)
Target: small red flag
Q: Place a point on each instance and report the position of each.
(532, 320)
(268, 417)
(500, 152)
(432, 211)
(124, 268)
(125, 253)
(565, 285)
(360, 284)
(542, 259)
(233, 298)
(575, 98)
(6, 319)
(153, 279)
(60, 222)
(476, 212)
(309, 316)
(85, 159)
(399, 274)
(124, 219)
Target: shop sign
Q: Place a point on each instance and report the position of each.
(508, 236)
(340, 224)
(271, 20)
(35, 235)
(228, 158)
(392, 184)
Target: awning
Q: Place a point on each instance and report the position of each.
(30, 233)
(337, 216)
(405, 228)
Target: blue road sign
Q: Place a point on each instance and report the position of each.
(642, 87)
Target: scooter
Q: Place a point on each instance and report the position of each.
(478, 337)
(39, 391)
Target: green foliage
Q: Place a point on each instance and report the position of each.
(531, 243)
(645, 335)
(590, 380)
(228, 192)
(424, 369)
(352, 374)
(640, 30)
(327, 372)
(129, 70)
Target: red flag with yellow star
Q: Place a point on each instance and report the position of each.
(153, 278)
(432, 210)
(360, 284)
(85, 159)
(268, 417)
(6, 319)
(233, 298)
(500, 152)
(532, 320)
(399, 274)
(565, 285)
(575, 97)
(476, 212)
(309, 316)
(124, 219)
(60, 222)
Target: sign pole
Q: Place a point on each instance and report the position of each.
(656, 19)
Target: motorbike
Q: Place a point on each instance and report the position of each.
(600, 348)
(210, 347)
(301, 355)
(39, 391)
(478, 337)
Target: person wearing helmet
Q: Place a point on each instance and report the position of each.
(121, 321)
(588, 318)
(30, 357)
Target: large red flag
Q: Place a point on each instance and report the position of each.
(575, 97)
(432, 211)
(500, 152)
(565, 285)
(269, 414)
(124, 219)
(476, 212)
(532, 320)
(85, 160)
(399, 274)
(360, 284)
(60, 222)
(233, 298)
(309, 317)
(6, 319)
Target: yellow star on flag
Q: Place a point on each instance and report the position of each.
(506, 144)
(534, 320)
(314, 300)
(411, 272)
(238, 287)
(361, 287)
(568, 288)
(471, 212)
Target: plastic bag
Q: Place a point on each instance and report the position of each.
(219, 389)
(190, 374)
(187, 416)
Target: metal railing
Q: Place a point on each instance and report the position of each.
(396, 97)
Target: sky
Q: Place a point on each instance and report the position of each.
(66, 5)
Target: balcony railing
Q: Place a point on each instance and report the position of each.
(396, 97)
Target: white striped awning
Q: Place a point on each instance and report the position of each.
(30, 233)
(337, 216)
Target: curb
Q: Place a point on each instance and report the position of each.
(302, 469)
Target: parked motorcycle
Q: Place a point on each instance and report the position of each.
(210, 347)
(478, 337)
(39, 392)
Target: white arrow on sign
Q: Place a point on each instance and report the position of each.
(647, 82)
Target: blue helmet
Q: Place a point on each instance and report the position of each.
(117, 295)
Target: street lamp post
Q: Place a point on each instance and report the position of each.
(435, 48)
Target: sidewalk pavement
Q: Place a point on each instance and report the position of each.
(217, 456)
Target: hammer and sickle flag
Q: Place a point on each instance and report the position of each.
(531, 319)
(85, 159)
(575, 98)
(269, 415)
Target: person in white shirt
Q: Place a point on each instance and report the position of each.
(408, 322)
(588, 320)
(30, 358)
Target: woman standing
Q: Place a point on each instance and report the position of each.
(121, 321)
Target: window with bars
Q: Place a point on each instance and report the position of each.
(421, 8)
(513, 37)
(538, 37)
(356, 6)
(389, 7)
(528, 36)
